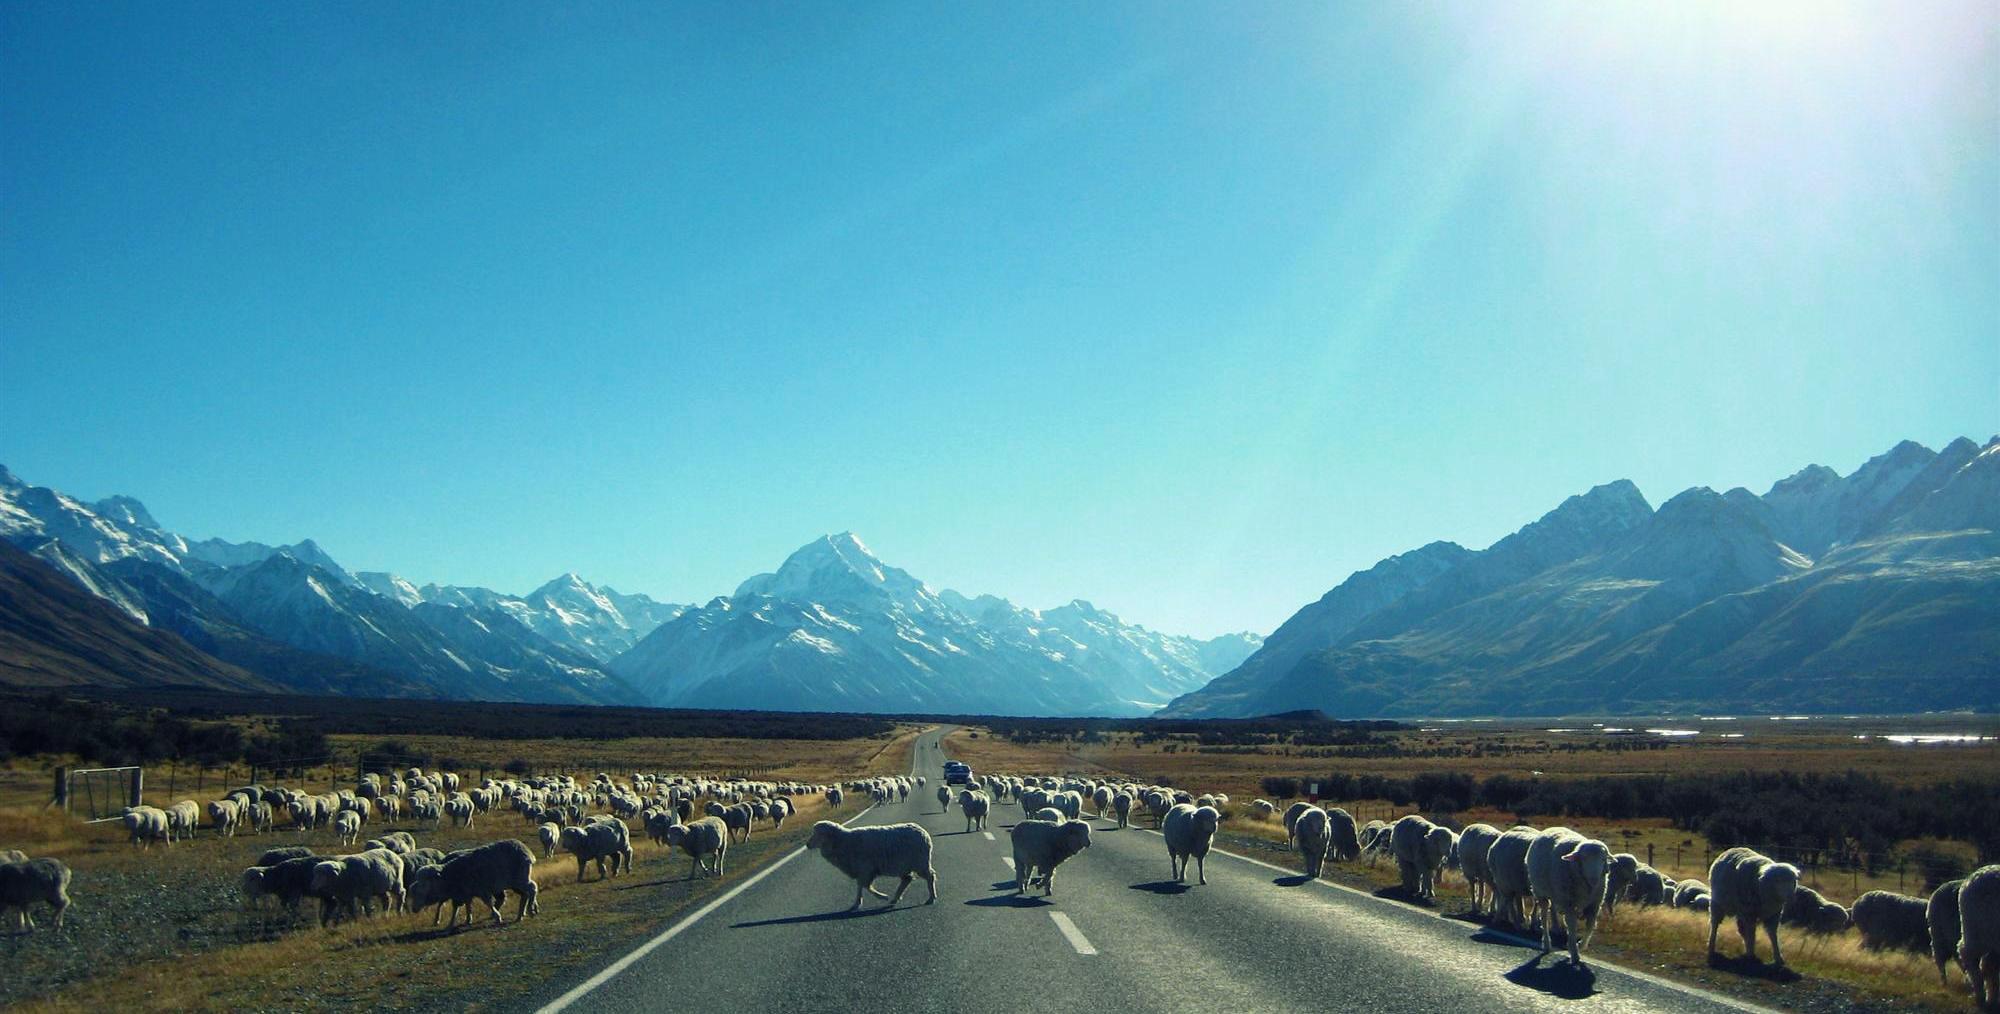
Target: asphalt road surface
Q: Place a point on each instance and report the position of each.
(1119, 935)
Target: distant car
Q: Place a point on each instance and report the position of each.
(957, 773)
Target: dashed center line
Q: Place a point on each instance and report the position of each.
(1009, 860)
(989, 836)
(1072, 934)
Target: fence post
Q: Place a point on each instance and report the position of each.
(138, 785)
(62, 788)
(1649, 853)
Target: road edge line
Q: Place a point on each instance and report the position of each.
(611, 971)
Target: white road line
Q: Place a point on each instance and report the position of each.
(1712, 997)
(1009, 860)
(563, 1001)
(1072, 934)
(989, 836)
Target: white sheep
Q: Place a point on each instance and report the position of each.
(705, 838)
(26, 881)
(1292, 815)
(1343, 843)
(1189, 831)
(148, 824)
(944, 798)
(1753, 889)
(1121, 805)
(601, 839)
(1421, 849)
(1891, 921)
(1507, 864)
(1310, 836)
(484, 874)
(222, 816)
(1685, 892)
(551, 835)
(343, 881)
(1040, 846)
(1473, 845)
(182, 818)
(1941, 915)
(1618, 878)
(867, 854)
(974, 805)
(347, 826)
(1979, 933)
(1567, 874)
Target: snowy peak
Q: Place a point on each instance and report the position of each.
(124, 510)
(1805, 481)
(837, 568)
(391, 587)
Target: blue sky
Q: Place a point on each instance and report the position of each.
(1188, 310)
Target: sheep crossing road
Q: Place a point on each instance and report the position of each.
(1118, 932)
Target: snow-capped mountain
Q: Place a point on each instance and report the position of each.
(836, 629)
(294, 616)
(1607, 606)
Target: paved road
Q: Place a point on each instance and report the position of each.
(1119, 936)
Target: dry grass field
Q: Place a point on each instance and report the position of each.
(165, 928)
(1831, 973)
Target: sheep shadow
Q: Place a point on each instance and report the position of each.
(1004, 885)
(1294, 880)
(1558, 979)
(835, 916)
(1162, 887)
(662, 882)
(1011, 900)
(1751, 968)
(1395, 892)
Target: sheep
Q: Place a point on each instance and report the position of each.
(1121, 805)
(26, 881)
(1048, 813)
(1069, 804)
(287, 880)
(342, 881)
(1310, 836)
(1100, 799)
(1292, 815)
(400, 842)
(148, 824)
(1032, 800)
(1421, 849)
(1941, 915)
(1473, 844)
(222, 816)
(1810, 911)
(1375, 840)
(260, 814)
(1507, 864)
(601, 839)
(1618, 879)
(551, 834)
(347, 826)
(273, 857)
(944, 798)
(1262, 809)
(706, 837)
(1343, 843)
(1040, 846)
(182, 818)
(1754, 889)
(781, 808)
(1649, 887)
(458, 806)
(737, 818)
(834, 796)
(1189, 831)
(1891, 921)
(1979, 933)
(1685, 892)
(869, 853)
(975, 806)
(1567, 874)
(485, 874)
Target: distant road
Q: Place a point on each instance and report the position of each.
(1119, 936)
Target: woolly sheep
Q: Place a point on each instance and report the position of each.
(148, 824)
(551, 836)
(485, 874)
(1048, 813)
(599, 840)
(1420, 853)
(1100, 800)
(182, 818)
(1979, 933)
(706, 837)
(347, 825)
(738, 819)
(869, 853)
(273, 857)
(343, 881)
(1753, 889)
(1567, 874)
(1810, 911)
(1343, 843)
(834, 796)
(1618, 877)
(1069, 804)
(26, 881)
(222, 816)
(287, 880)
(1292, 815)
(975, 806)
(1263, 808)
(1507, 864)
(1121, 805)
(1891, 921)
(1189, 831)
(1040, 846)
(1687, 891)
(1310, 836)
(1941, 916)
(1473, 845)
(1649, 887)
(400, 842)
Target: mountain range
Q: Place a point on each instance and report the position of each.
(1878, 591)
(833, 629)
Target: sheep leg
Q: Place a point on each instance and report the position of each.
(900, 888)
(1200, 869)
(1771, 929)
(694, 866)
(859, 884)
(1746, 928)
